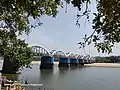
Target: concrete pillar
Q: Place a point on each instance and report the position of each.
(64, 62)
(86, 61)
(73, 62)
(81, 61)
(47, 62)
(89, 61)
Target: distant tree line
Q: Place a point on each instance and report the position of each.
(110, 59)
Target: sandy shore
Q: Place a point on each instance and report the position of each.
(35, 62)
(117, 65)
(90, 65)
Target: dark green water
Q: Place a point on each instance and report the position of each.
(89, 78)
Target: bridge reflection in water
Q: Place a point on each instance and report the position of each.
(65, 59)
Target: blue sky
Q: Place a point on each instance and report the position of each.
(61, 33)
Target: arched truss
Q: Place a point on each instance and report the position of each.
(76, 55)
(58, 53)
(71, 55)
(38, 49)
(79, 56)
(52, 51)
(84, 57)
(87, 57)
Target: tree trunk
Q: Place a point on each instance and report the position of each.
(9, 66)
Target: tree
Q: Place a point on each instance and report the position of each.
(99, 59)
(15, 14)
(106, 25)
(15, 19)
(16, 52)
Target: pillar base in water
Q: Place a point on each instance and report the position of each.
(63, 65)
(46, 66)
(73, 64)
(47, 62)
(64, 62)
(81, 62)
(81, 65)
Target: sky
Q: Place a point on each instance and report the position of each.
(61, 33)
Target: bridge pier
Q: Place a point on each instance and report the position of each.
(73, 62)
(81, 62)
(86, 61)
(89, 61)
(64, 62)
(47, 62)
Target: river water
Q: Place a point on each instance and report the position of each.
(87, 78)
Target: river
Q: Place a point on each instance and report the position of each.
(88, 78)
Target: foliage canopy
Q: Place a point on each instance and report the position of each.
(106, 25)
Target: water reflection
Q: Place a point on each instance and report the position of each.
(30, 74)
(73, 68)
(63, 70)
(46, 74)
(73, 78)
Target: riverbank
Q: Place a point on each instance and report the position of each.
(35, 62)
(114, 65)
(117, 65)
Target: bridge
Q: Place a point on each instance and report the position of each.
(65, 59)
